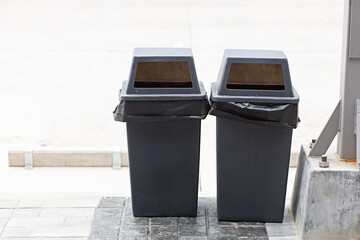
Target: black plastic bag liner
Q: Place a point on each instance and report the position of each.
(268, 114)
(161, 110)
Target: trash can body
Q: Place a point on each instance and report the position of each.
(252, 170)
(162, 104)
(164, 166)
(256, 110)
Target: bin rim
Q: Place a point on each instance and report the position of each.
(123, 95)
(254, 99)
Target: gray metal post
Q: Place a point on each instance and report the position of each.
(313, 198)
(357, 132)
(350, 79)
(342, 120)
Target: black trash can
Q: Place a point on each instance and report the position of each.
(256, 109)
(162, 105)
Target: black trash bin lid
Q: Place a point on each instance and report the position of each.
(254, 75)
(162, 73)
(162, 86)
(254, 86)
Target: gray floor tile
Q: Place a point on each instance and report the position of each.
(104, 222)
(135, 221)
(192, 231)
(163, 238)
(101, 238)
(130, 231)
(250, 224)
(106, 226)
(254, 232)
(112, 222)
(104, 232)
(210, 200)
(112, 202)
(192, 221)
(164, 221)
(108, 212)
(213, 221)
(109, 223)
(284, 238)
(192, 238)
(201, 211)
(202, 201)
(128, 201)
(254, 238)
(279, 229)
(211, 210)
(134, 238)
(128, 210)
(222, 231)
(164, 231)
(224, 238)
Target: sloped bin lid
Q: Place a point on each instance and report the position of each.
(255, 86)
(162, 85)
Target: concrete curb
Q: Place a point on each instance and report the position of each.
(70, 158)
(82, 158)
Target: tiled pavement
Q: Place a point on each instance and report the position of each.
(110, 218)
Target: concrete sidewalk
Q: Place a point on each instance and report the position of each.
(65, 203)
(45, 182)
(62, 203)
(111, 218)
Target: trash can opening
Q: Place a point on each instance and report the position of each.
(259, 76)
(163, 74)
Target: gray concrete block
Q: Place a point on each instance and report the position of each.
(326, 201)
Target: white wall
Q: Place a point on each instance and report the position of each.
(62, 62)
